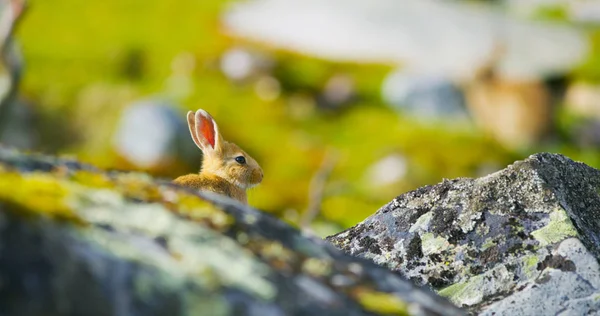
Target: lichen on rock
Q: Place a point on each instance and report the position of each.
(497, 245)
(76, 240)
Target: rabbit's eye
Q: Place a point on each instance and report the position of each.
(240, 159)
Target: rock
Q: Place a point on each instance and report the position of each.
(76, 240)
(410, 33)
(522, 241)
(151, 132)
(429, 97)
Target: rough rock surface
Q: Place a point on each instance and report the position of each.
(78, 241)
(521, 241)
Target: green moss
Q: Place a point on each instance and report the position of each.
(453, 290)
(431, 244)
(59, 195)
(382, 303)
(529, 266)
(231, 265)
(473, 290)
(194, 252)
(558, 229)
(467, 292)
(139, 186)
(37, 194)
(196, 209)
(488, 243)
(92, 179)
(530, 261)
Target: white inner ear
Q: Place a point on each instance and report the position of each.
(192, 126)
(217, 135)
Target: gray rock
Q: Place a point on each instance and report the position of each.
(522, 241)
(428, 97)
(570, 268)
(78, 241)
(151, 132)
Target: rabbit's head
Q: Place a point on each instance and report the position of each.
(222, 158)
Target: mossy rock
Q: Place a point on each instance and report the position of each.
(77, 240)
(522, 241)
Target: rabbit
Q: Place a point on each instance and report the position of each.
(518, 113)
(226, 168)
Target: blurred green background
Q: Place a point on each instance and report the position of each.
(86, 61)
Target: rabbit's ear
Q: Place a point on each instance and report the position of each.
(191, 120)
(205, 131)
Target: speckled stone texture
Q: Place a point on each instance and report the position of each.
(521, 241)
(78, 241)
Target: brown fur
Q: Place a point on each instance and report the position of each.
(220, 172)
(212, 183)
(517, 113)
